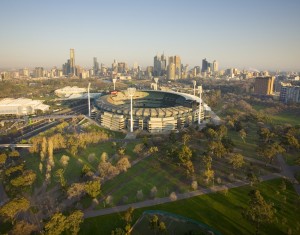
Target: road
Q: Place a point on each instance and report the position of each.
(158, 201)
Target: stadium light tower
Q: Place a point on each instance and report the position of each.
(131, 91)
(200, 102)
(89, 99)
(114, 81)
(156, 81)
(194, 83)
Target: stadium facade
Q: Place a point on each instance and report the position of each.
(155, 111)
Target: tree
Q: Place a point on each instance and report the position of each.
(24, 228)
(92, 188)
(184, 156)
(64, 160)
(107, 170)
(127, 217)
(3, 158)
(269, 151)
(216, 148)
(60, 223)
(265, 135)
(139, 194)
(162, 227)
(50, 152)
(173, 196)
(123, 164)
(243, 134)
(14, 153)
(221, 132)
(236, 160)
(60, 175)
(209, 174)
(258, 210)
(14, 207)
(76, 190)
(73, 222)
(153, 191)
(26, 179)
(194, 185)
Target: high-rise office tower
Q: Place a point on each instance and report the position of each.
(215, 66)
(171, 71)
(72, 61)
(95, 66)
(264, 85)
(204, 65)
(177, 62)
(160, 65)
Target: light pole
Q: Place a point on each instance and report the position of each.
(194, 83)
(114, 81)
(89, 100)
(131, 91)
(200, 102)
(156, 81)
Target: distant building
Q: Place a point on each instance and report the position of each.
(160, 65)
(21, 106)
(204, 65)
(95, 66)
(264, 85)
(171, 71)
(69, 68)
(72, 62)
(215, 66)
(38, 72)
(68, 91)
(177, 62)
(289, 93)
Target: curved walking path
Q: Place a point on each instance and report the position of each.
(157, 201)
(288, 172)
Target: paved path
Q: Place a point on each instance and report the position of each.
(288, 172)
(157, 201)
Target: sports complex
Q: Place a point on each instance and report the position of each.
(153, 110)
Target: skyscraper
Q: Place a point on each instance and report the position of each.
(215, 66)
(171, 70)
(72, 62)
(96, 66)
(160, 65)
(177, 62)
(264, 85)
(204, 65)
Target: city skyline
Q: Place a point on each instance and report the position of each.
(255, 34)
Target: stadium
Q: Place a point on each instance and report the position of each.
(153, 110)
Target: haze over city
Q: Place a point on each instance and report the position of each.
(253, 34)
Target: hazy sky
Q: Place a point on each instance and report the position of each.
(262, 34)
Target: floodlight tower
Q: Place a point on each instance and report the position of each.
(200, 102)
(114, 81)
(131, 91)
(156, 81)
(89, 100)
(194, 83)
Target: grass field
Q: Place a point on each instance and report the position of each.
(144, 176)
(285, 118)
(219, 211)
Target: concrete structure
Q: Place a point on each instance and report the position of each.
(171, 71)
(289, 93)
(21, 107)
(155, 111)
(69, 91)
(264, 85)
(72, 62)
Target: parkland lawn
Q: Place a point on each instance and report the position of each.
(222, 212)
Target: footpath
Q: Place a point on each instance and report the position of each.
(157, 201)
